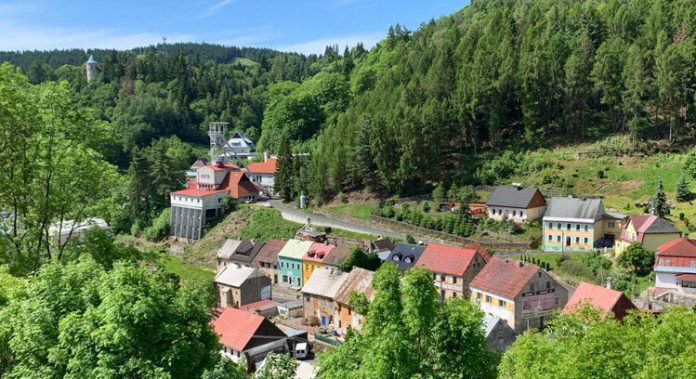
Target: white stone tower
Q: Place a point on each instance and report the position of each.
(91, 68)
(217, 132)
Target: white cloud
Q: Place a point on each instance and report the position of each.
(37, 38)
(215, 8)
(318, 46)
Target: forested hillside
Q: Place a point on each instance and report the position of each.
(436, 104)
(167, 90)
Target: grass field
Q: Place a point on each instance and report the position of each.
(188, 272)
(553, 258)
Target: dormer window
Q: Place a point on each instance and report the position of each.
(408, 259)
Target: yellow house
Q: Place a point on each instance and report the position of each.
(579, 224)
(648, 230)
(314, 259)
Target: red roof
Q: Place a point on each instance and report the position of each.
(236, 328)
(504, 277)
(598, 297)
(686, 277)
(194, 192)
(317, 252)
(680, 247)
(223, 167)
(239, 185)
(267, 167)
(479, 249)
(450, 260)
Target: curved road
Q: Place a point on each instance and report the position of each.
(296, 215)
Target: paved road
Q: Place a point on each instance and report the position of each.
(296, 215)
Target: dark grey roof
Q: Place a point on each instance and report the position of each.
(405, 255)
(660, 225)
(574, 208)
(382, 245)
(511, 196)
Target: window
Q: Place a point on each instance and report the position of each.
(559, 226)
(488, 298)
(478, 295)
(454, 295)
(531, 287)
(514, 213)
(577, 227)
(558, 238)
(551, 225)
(501, 303)
(587, 227)
(442, 278)
(548, 285)
(611, 224)
(454, 279)
(306, 298)
(577, 239)
(521, 213)
(550, 238)
(567, 226)
(557, 301)
(586, 240)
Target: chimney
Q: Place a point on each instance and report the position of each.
(609, 279)
(520, 263)
(265, 156)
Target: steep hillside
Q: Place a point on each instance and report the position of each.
(502, 75)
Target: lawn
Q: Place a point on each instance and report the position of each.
(188, 272)
(355, 210)
(552, 258)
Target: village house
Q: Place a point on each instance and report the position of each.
(358, 281)
(605, 300)
(579, 224)
(648, 230)
(290, 262)
(453, 268)
(405, 255)
(522, 294)
(314, 259)
(237, 285)
(675, 272)
(191, 173)
(267, 259)
(240, 252)
(263, 173)
(516, 203)
(203, 199)
(338, 255)
(318, 295)
(239, 146)
(249, 336)
(499, 335)
(380, 245)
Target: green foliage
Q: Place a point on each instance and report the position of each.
(634, 348)
(359, 258)
(83, 321)
(100, 245)
(277, 366)
(637, 258)
(267, 224)
(229, 204)
(159, 228)
(225, 369)
(410, 334)
(659, 205)
(683, 193)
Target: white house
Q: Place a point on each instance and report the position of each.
(516, 203)
(675, 266)
(239, 146)
(263, 173)
(62, 232)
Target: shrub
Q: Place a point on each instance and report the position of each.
(576, 269)
(600, 174)
(425, 206)
(159, 228)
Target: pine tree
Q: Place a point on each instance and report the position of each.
(659, 206)
(683, 193)
(284, 172)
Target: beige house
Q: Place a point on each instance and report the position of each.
(237, 285)
(648, 230)
(453, 267)
(522, 294)
(516, 203)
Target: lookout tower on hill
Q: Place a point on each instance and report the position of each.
(91, 68)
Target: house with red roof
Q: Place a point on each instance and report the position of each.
(648, 230)
(247, 335)
(605, 300)
(263, 173)
(203, 199)
(520, 293)
(314, 258)
(453, 267)
(675, 267)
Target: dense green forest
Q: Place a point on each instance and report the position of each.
(442, 103)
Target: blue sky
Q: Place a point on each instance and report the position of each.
(305, 26)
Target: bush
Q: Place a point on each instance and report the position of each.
(159, 228)
(576, 269)
(600, 174)
(425, 206)
(229, 204)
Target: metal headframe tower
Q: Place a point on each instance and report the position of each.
(217, 132)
